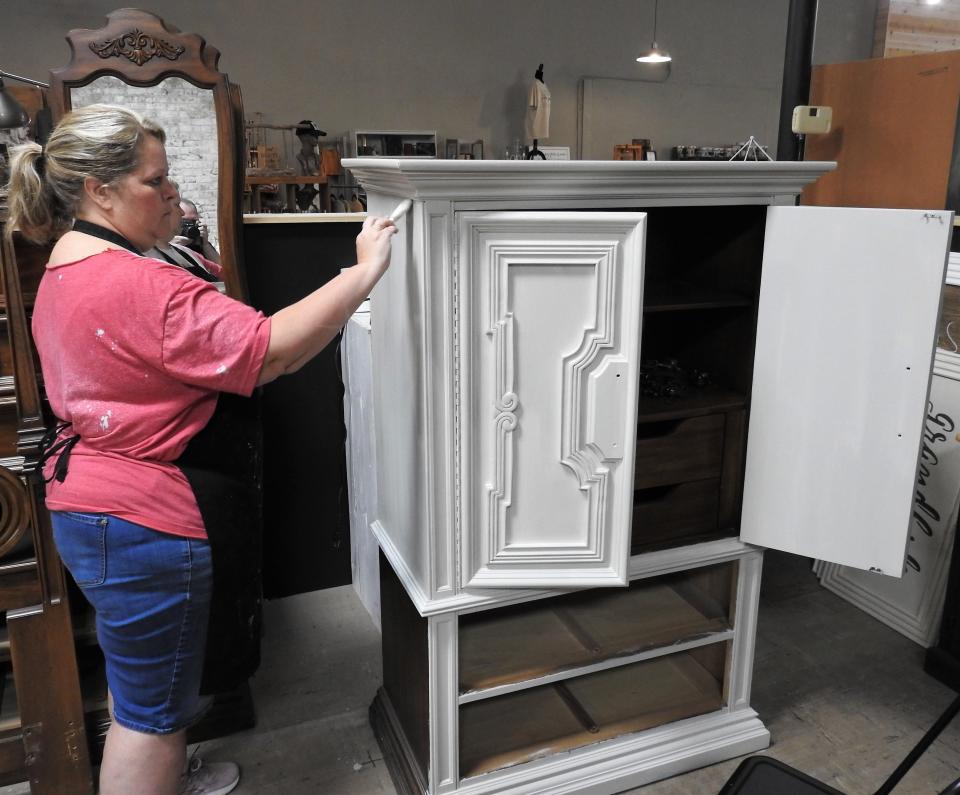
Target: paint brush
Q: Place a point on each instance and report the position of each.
(402, 209)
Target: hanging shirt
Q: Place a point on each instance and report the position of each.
(538, 111)
(134, 353)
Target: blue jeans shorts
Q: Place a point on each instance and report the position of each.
(151, 594)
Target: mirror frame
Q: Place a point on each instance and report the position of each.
(142, 50)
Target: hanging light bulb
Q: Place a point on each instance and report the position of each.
(654, 54)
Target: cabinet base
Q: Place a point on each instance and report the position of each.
(602, 769)
(404, 771)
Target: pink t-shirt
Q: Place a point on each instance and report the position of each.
(134, 352)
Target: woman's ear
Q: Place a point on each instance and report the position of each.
(99, 193)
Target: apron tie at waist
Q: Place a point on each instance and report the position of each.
(49, 447)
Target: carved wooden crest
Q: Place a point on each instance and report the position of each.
(137, 46)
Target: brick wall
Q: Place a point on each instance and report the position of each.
(186, 114)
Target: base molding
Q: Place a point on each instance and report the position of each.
(404, 771)
(602, 769)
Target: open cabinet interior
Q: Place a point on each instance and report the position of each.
(524, 725)
(571, 670)
(702, 284)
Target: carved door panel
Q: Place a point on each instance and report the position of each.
(549, 307)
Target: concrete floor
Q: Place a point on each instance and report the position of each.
(844, 697)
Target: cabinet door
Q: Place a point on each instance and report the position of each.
(845, 339)
(548, 339)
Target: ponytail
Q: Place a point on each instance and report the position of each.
(31, 203)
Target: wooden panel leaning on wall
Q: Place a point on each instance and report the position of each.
(894, 132)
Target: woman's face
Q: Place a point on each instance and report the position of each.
(146, 200)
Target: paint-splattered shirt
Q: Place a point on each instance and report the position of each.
(134, 352)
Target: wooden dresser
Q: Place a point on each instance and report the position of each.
(571, 510)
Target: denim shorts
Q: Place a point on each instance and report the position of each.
(151, 594)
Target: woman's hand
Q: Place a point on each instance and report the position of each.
(373, 244)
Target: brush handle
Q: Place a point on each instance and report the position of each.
(402, 209)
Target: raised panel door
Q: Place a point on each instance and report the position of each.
(548, 344)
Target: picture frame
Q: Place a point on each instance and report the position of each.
(452, 149)
(476, 149)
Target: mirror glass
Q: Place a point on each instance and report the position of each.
(188, 117)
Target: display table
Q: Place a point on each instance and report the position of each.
(570, 541)
(289, 185)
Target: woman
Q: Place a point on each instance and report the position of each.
(135, 353)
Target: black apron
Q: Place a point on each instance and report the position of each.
(222, 463)
(223, 466)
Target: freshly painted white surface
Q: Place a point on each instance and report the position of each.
(476, 340)
(588, 182)
(845, 337)
(424, 438)
(549, 315)
(361, 459)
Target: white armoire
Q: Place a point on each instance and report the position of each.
(599, 390)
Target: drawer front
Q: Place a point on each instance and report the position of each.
(678, 451)
(672, 513)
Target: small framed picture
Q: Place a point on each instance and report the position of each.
(452, 149)
(476, 149)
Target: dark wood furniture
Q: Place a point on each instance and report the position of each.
(47, 741)
(306, 529)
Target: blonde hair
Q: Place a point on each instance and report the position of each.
(46, 184)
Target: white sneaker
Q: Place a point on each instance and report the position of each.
(209, 778)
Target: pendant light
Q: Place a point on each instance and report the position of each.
(654, 54)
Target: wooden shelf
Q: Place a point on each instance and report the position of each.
(709, 400)
(530, 724)
(518, 646)
(683, 296)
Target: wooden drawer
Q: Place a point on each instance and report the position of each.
(677, 451)
(526, 725)
(547, 637)
(673, 513)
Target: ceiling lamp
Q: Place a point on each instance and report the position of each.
(654, 54)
